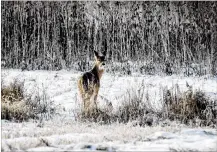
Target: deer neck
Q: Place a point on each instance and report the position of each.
(98, 71)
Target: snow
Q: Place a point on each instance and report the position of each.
(64, 133)
(87, 136)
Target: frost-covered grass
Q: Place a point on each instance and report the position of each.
(18, 107)
(68, 135)
(64, 133)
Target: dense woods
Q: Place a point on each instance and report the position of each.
(148, 37)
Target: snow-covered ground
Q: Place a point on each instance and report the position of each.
(64, 133)
(68, 135)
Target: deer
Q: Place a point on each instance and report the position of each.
(89, 84)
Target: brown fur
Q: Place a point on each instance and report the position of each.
(89, 84)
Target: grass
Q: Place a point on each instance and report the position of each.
(132, 108)
(17, 107)
(190, 107)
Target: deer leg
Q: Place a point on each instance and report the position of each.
(95, 95)
(81, 94)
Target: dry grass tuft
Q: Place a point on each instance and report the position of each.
(132, 108)
(18, 108)
(96, 115)
(13, 103)
(189, 107)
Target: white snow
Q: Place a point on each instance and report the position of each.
(63, 133)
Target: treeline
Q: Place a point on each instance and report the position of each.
(55, 35)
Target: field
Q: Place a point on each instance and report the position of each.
(63, 131)
(158, 91)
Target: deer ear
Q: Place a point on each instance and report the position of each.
(96, 55)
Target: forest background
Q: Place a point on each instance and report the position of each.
(146, 37)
